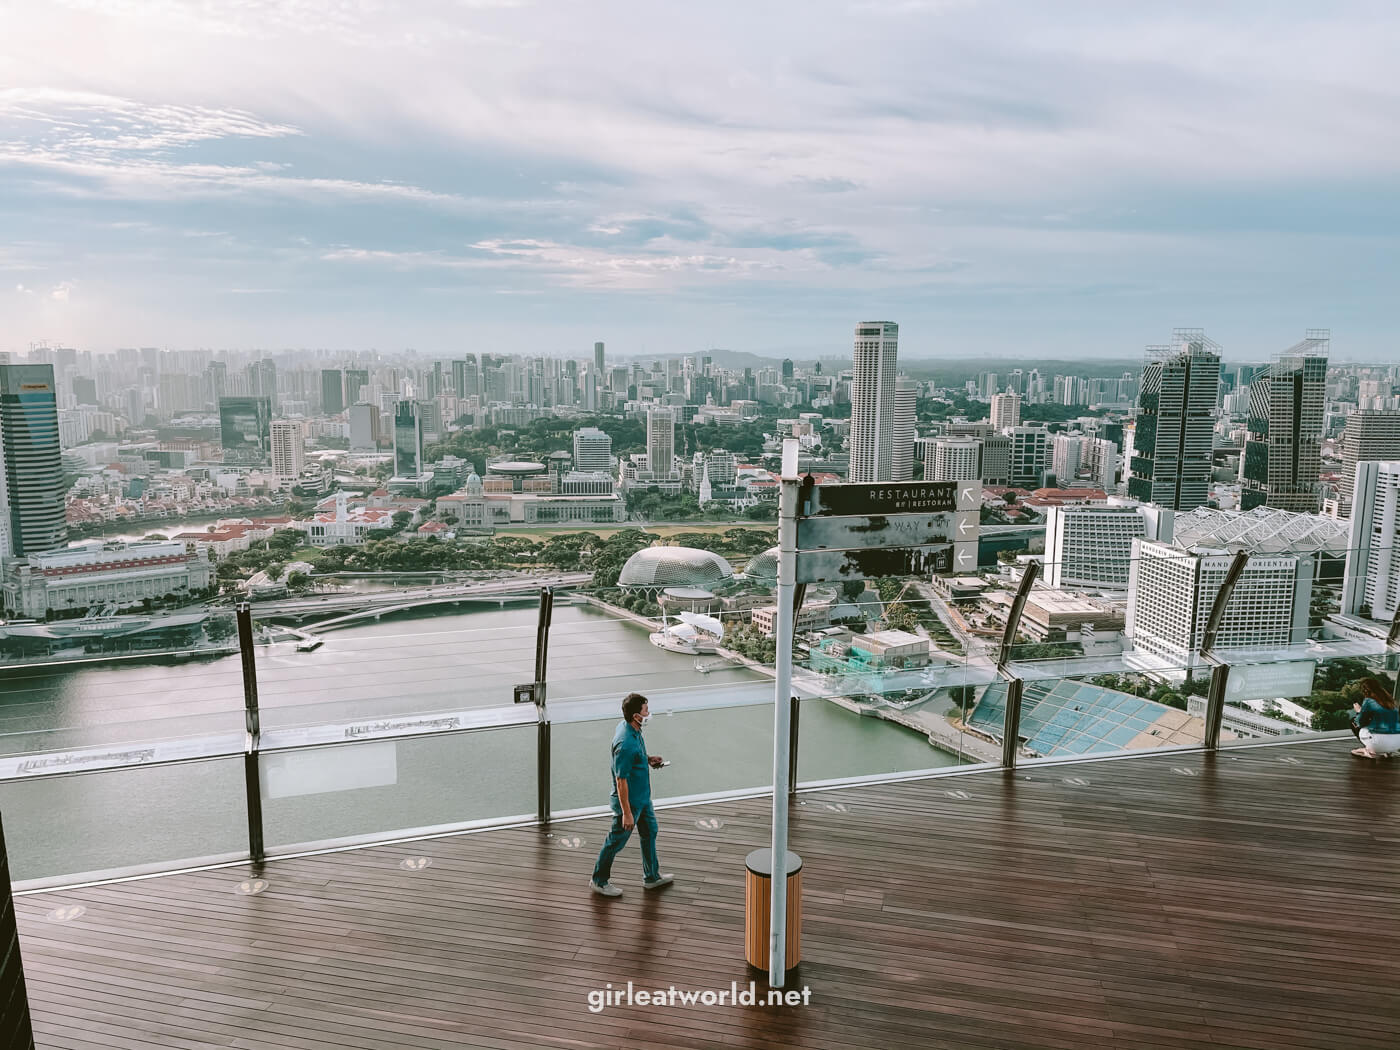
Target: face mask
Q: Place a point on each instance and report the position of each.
(646, 719)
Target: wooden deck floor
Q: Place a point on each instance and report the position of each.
(1246, 900)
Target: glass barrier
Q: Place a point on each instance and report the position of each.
(316, 796)
(76, 827)
(1299, 690)
(1132, 704)
(711, 750)
(401, 664)
(85, 706)
(876, 705)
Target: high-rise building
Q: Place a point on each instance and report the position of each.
(332, 391)
(1283, 453)
(996, 460)
(787, 370)
(85, 390)
(1100, 459)
(592, 450)
(32, 517)
(1006, 411)
(356, 381)
(906, 400)
(1092, 546)
(1372, 583)
(1173, 583)
(955, 459)
(262, 380)
(288, 450)
(1030, 456)
(245, 430)
(872, 401)
(1369, 435)
(598, 358)
(661, 440)
(1066, 453)
(1175, 433)
(408, 440)
(364, 427)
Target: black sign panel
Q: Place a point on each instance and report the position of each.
(873, 563)
(884, 497)
(885, 530)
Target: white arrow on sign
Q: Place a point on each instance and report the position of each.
(967, 523)
(963, 557)
(969, 495)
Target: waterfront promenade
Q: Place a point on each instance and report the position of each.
(1165, 902)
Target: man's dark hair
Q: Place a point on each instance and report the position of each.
(631, 704)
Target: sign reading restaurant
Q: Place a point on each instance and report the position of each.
(899, 497)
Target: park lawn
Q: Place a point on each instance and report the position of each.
(664, 531)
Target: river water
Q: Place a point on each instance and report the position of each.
(406, 664)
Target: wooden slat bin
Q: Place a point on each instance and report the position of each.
(758, 888)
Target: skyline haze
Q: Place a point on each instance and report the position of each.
(512, 176)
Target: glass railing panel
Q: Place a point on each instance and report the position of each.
(391, 787)
(888, 709)
(711, 750)
(127, 702)
(1301, 691)
(125, 820)
(1143, 706)
(434, 658)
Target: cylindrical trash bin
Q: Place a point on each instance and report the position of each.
(758, 902)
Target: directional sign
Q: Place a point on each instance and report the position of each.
(894, 497)
(874, 562)
(965, 557)
(885, 530)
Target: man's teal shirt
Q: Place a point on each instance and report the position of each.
(629, 762)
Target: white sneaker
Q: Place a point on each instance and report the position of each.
(658, 882)
(603, 889)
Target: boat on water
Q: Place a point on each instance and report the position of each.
(693, 634)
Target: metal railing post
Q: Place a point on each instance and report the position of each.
(1015, 688)
(1392, 645)
(799, 595)
(792, 749)
(543, 745)
(252, 722)
(1220, 671)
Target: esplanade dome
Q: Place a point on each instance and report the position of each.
(763, 565)
(674, 567)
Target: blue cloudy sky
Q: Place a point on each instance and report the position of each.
(1063, 178)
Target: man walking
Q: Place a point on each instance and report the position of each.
(631, 800)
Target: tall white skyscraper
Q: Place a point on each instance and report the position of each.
(906, 398)
(661, 440)
(954, 459)
(1373, 563)
(288, 450)
(873, 401)
(1065, 455)
(592, 450)
(1006, 411)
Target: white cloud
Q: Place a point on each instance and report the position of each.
(61, 292)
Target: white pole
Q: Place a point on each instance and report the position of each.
(782, 713)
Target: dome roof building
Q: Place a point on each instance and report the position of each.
(764, 565)
(674, 567)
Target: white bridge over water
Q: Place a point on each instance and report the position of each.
(361, 605)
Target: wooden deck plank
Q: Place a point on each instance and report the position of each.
(1143, 909)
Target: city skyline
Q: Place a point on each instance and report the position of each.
(504, 176)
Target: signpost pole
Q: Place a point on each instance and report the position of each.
(782, 710)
